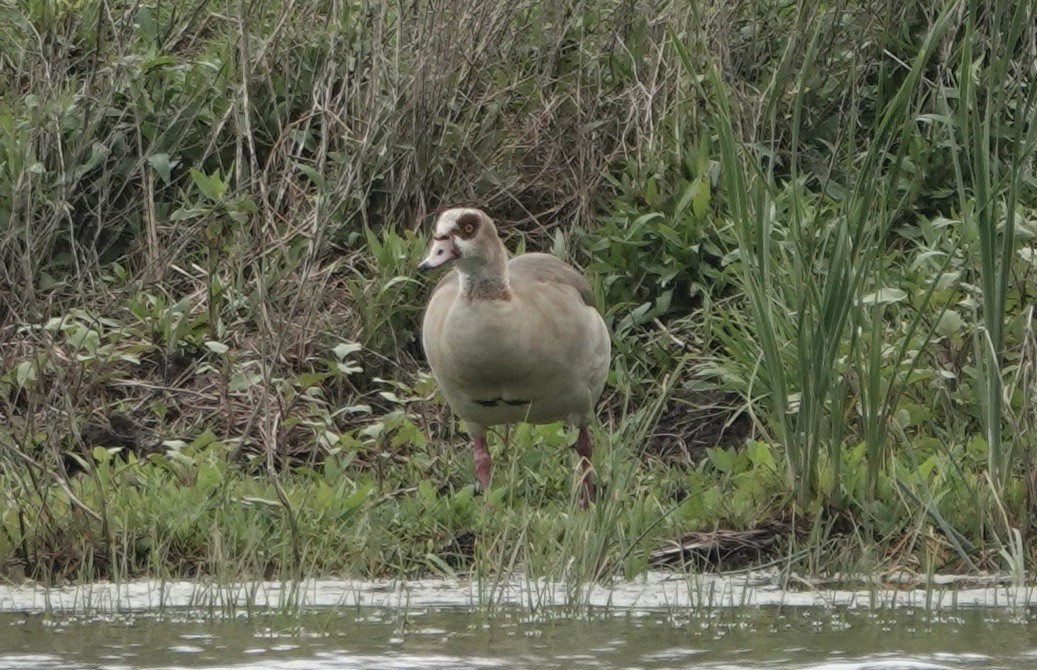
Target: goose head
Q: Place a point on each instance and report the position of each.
(466, 237)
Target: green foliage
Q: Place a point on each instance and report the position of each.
(385, 292)
(210, 222)
(658, 249)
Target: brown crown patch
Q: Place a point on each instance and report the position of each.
(468, 225)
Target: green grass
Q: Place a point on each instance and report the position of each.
(809, 226)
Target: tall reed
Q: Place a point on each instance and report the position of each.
(991, 105)
(812, 269)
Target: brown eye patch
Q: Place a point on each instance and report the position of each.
(467, 225)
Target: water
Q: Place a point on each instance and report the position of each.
(437, 625)
(433, 638)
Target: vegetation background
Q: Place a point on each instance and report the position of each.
(810, 226)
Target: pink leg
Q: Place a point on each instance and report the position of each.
(482, 461)
(584, 447)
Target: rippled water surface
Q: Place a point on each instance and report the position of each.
(453, 637)
(661, 620)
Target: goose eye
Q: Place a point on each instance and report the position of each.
(467, 226)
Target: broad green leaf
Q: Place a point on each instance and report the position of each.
(216, 347)
(161, 164)
(211, 186)
(950, 323)
(722, 459)
(25, 372)
(240, 380)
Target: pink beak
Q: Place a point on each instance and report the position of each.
(443, 251)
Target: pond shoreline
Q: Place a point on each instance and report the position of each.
(655, 591)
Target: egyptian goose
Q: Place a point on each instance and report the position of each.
(512, 340)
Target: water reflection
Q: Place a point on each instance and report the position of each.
(345, 638)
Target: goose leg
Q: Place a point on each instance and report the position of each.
(482, 461)
(584, 447)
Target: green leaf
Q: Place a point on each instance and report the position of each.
(240, 380)
(216, 347)
(439, 564)
(686, 197)
(357, 499)
(399, 280)
(645, 218)
(206, 438)
(427, 491)
(344, 349)
(884, 296)
(308, 379)
(348, 368)
(104, 454)
(162, 165)
(950, 323)
(314, 176)
(722, 459)
(147, 25)
(78, 459)
(700, 203)
(84, 338)
(211, 186)
(558, 244)
(157, 61)
(25, 372)
(759, 454)
(185, 213)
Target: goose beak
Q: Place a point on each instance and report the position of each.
(442, 252)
